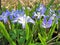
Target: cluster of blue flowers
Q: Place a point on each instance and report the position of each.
(16, 16)
(47, 19)
(19, 16)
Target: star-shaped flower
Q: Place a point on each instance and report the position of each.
(46, 24)
(23, 20)
(4, 16)
(41, 9)
(16, 13)
(38, 15)
(55, 17)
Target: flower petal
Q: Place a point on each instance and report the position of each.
(30, 20)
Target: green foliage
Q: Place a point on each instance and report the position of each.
(42, 39)
(19, 6)
(48, 6)
(51, 31)
(6, 34)
(31, 34)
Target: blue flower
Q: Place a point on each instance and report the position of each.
(23, 20)
(4, 17)
(16, 13)
(59, 11)
(38, 15)
(34, 15)
(19, 12)
(39, 12)
(46, 24)
(55, 17)
(52, 12)
(7, 13)
(41, 9)
(11, 14)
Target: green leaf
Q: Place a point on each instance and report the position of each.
(38, 43)
(51, 31)
(12, 34)
(26, 11)
(57, 6)
(31, 44)
(19, 6)
(48, 6)
(1, 36)
(21, 40)
(42, 30)
(42, 39)
(0, 11)
(6, 34)
(3, 8)
(27, 32)
(20, 36)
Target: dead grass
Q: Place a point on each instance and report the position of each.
(13, 3)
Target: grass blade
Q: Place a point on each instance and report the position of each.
(5, 33)
(42, 39)
(51, 31)
(48, 6)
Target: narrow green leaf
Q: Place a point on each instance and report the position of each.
(0, 11)
(19, 6)
(42, 30)
(51, 31)
(41, 39)
(31, 44)
(48, 6)
(6, 34)
(27, 32)
(57, 6)
(26, 11)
